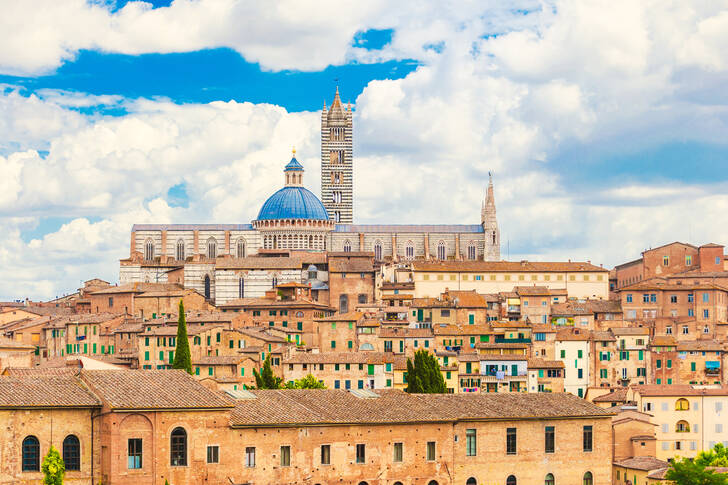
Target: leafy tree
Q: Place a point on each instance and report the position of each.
(308, 382)
(265, 379)
(684, 471)
(718, 456)
(424, 376)
(53, 468)
(182, 357)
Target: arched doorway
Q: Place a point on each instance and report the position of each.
(471, 481)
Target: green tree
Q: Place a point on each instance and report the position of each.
(308, 382)
(718, 456)
(684, 471)
(53, 468)
(265, 379)
(182, 357)
(423, 375)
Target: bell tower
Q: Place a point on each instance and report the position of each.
(337, 161)
(489, 221)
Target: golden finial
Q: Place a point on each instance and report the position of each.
(294, 151)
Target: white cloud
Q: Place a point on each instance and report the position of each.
(593, 74)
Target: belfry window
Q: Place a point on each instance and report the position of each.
(241, 288)
(409, 251)
(441, 250)
(378, 250)
(211, 248)
(471, 250)
(149, 250)
(241, 248)
(180, 250)
(207, 287)
(347, 246)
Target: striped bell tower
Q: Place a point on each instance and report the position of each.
(337, 161)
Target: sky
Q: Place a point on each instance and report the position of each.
(605, 123)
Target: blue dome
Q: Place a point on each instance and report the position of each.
(294, 166)
(293, 203)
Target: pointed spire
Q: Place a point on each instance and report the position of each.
(324, 105)
(337, 99)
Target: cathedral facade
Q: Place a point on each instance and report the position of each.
(219, 259)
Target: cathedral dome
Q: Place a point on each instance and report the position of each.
(293, 203)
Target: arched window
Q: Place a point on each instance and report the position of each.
(549, 479)
(31, 454)
(366, 346)
(682, 427)
(337, 216)
(441, 250)
(378, 250)
(682, 404)
(471, 481)
(274, 282)
(178, 447)
(207, 286)
(397, 483)
(149, 250)
(588, 479)
(72, 453)
(180, 250)
(347, 246)
(211, 248)
(409, 251)
(432, 482)
(343, 303)
(511, 480)
(493, 237)
(363, 483)
(241, 248)
(299, 314)
(241, 288)
(471, 250)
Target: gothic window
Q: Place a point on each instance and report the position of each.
(343, 303)
(211, 248)
(493, 237)
(378, 250)
(471, 250)
(180, 250)
(337, 178)
(72, 453)
(149, 250)
(178, 447)
(337, 216)
(441, 250)
(409, 251)
(207, 286)
(241, 248)
(241, 288)
(31, 454)
(274, 282)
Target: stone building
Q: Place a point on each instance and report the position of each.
(145, 427)
(337, 161)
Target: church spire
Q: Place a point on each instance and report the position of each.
(490, 224)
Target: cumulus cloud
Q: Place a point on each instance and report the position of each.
(502, 92)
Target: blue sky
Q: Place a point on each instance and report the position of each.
(606, 128)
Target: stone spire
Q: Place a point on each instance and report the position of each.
(337, 161)
(490, 224)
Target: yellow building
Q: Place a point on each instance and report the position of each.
(640, 470)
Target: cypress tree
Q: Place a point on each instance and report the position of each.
(182, 357)
(53, 468)
(265, 379)
(424, 376)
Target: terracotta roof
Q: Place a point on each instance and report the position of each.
(171, 330)
(662, 341)
(152, 389)
(645, 463)
(342, 317)
(469, 357)
(219, 360)
(503, 357)
(657, 284)
(267, 302)
(618, 395)
(585, 307)
(340, 358)
(603, 336)
(261, 333)
(351, 265)
(264, 262)
(545, 364)
(42, 391)
(658, 474)
(630, 330)
(501, 345)
(468, 299)
(406, 332)
(699, 345)
(462, 329)
(137, 288)
(6, 343)
(534, 291)
(573, 334)
(679, 390)
(505, 266)
(316, 406)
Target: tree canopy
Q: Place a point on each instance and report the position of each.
(718, 456)
(265, 379)
(423, 375)
(53, 468)
(182, 357)
(684, 471)
(308, 382)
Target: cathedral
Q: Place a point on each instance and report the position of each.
(212, 257)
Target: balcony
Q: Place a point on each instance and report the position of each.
(712, 371)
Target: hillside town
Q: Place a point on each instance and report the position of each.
(555, 372)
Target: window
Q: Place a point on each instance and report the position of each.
(134, 447)
(180, 250)
(511, 443)
(706, 314)
(207, 286)
(325, 454)
(673, 298)
(409, 250)
(397, 453)
(549, 480)
(587, 438)
(343, 303)
(250, 456)
(149, 250)
(471, 442)
(361, 453)
(31, 454)
(178, 447)
(362, 298)
(511, 480)
(211, 248)
(347, 246)
(588, 479)
(378, 250)
(549, 439)
(431, 451)
(72, 452)
(688, 260)
(665, 261)
(471, 250)
(441, 250)
(241, 288)
(285, 456)
(706, 298)
(682, 405)
(213, 454)
(629, 297)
